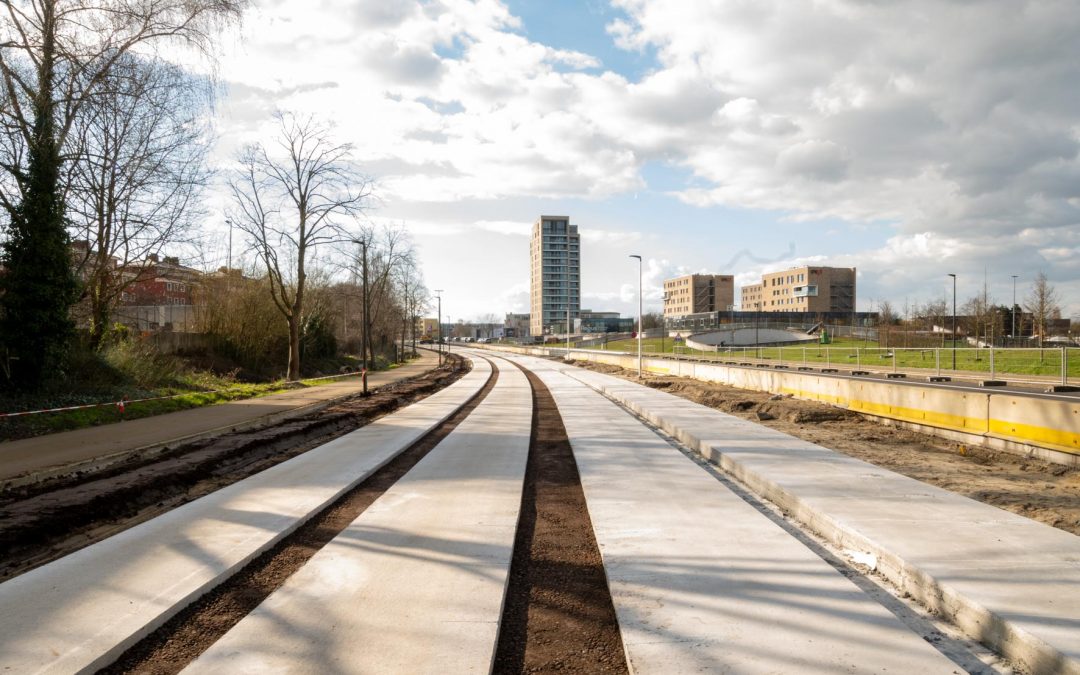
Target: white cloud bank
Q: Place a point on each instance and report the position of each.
(954, 123)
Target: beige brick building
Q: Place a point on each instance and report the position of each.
(555, 281)
(696, 293)
(803, 289)
(750, 297)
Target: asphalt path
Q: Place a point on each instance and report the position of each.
(68, 448)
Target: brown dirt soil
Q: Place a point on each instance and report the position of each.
(188, 634)
(558, 615)
(45, 521)
(1042, 491)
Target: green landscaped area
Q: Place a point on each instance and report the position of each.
(862, 353)
(189, 389)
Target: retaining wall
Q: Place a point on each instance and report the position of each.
(1046, 428)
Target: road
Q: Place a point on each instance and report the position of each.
(723, 546)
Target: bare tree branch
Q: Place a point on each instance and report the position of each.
(291, 199)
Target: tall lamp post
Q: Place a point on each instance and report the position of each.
(953, 321)
(567, 357)
(228, 221)
(1012, 310)
(364, 339)
(438, 344)
(640, 327)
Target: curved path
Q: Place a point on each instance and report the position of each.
(67, 448)
(703, 578)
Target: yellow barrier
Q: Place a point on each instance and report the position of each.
(997, 419)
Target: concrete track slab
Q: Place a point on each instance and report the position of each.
(1006, 580)
(416, 583)
(81, 611)
(31, 455)
(701, 580)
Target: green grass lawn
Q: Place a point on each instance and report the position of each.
(191, 389)
(855, 353)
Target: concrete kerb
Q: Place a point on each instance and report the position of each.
(422, 573)
(63, 618)
(971, 617)
(976, 426)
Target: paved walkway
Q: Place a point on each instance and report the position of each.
(53, 451)
(1006, 580)
(700, 579)
(416, 583)
(78, 613)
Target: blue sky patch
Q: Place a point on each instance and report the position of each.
(581, 26)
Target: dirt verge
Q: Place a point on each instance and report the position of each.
(1042, 491)
(188, 634)
(45, 521)
(558, 615)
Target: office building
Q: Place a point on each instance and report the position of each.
(555, 282)
(750, 297)
(696, 293)
(803, 289)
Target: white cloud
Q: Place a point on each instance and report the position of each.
(522, 229)
(950, 125)
(963, 120)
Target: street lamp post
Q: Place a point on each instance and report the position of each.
(438, 343)
(1012, 310)
(953, 321)
(640, 327)
(228, 221)
(365, 338)
(757, 337)
(567, 357)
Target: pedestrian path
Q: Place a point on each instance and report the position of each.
(700, 579)
(416, 583)
(1006, 580)
(42, 453)
(82, 611)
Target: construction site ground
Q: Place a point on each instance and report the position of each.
(1042, 491)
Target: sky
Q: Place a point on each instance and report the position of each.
(910, 138)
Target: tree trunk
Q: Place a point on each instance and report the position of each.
(99, 316)
(39, 285)
(294, 347)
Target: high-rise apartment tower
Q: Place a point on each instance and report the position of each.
(556, 275)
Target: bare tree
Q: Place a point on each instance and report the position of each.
(136, 181)
(886, 319)
(54, 56)
(978, 316)
(290, 199)
(1042, 302)
(389, 249)
(412, 294)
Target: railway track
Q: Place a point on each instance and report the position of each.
(519, 520)
(49, 519)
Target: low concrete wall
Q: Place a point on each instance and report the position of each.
(743, 337)
(1043, 428)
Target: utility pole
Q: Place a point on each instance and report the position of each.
(438, 345)
(640, 326)
(365, 338)
(568, 306)
(953, 321)
(1012, 310)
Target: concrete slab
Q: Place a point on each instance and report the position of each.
(80, 612)
(702, 581)
(1007, 580)
(416, 583)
